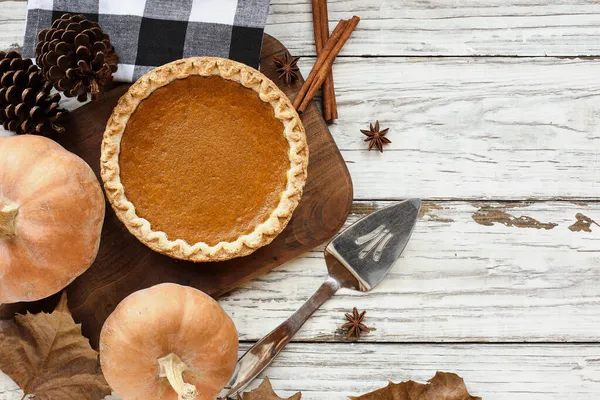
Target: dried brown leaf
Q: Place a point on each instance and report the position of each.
(265, 392)
(47, 356)
(443, 386)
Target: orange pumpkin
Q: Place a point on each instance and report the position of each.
(168, 342)
(51, 216)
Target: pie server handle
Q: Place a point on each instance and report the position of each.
(259, 356)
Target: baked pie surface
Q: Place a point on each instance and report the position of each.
(204, 159)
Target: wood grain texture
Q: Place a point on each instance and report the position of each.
(447, 27)
(12, 24)
(495, 372)
(493, 128)
(421, 28)
(472, 272)
(124, 265)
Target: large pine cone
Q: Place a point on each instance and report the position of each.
(26, 105)
(76, 56)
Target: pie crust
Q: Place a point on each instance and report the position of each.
(268, 92)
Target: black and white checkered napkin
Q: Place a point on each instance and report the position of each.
(149, 33)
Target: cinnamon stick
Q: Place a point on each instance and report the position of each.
(321, 30)
(320, 70)
(327, 48)
(318, 17)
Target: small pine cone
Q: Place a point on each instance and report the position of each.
(26, 105)
(76, 56)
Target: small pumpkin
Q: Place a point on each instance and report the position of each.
(51, 216)
(168, 342)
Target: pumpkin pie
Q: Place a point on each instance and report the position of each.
(204, 159)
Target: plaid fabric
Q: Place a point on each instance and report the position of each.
(149, 33)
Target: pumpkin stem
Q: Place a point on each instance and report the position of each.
(171, 367)
(8, 215)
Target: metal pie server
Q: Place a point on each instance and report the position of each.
(358, 258)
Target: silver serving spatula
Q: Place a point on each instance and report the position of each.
(358, 258)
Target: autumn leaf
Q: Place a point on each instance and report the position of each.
(443, 386)
(265, 392)
(47, 356)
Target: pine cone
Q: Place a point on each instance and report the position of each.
(26, 105)
(76, 56)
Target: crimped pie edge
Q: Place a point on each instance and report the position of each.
(268, 92)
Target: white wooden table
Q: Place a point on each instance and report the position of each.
(494, 110)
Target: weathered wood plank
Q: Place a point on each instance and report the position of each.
(414, 27)
(332, 372)
(506, 272)
(495, 128)
(494, 272)
(516, 372)
(9, 389)
(12, 24)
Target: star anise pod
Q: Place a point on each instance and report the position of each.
(287, 68)
(376, 137)
(354, 325)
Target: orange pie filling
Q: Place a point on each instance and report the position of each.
(204, 159)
